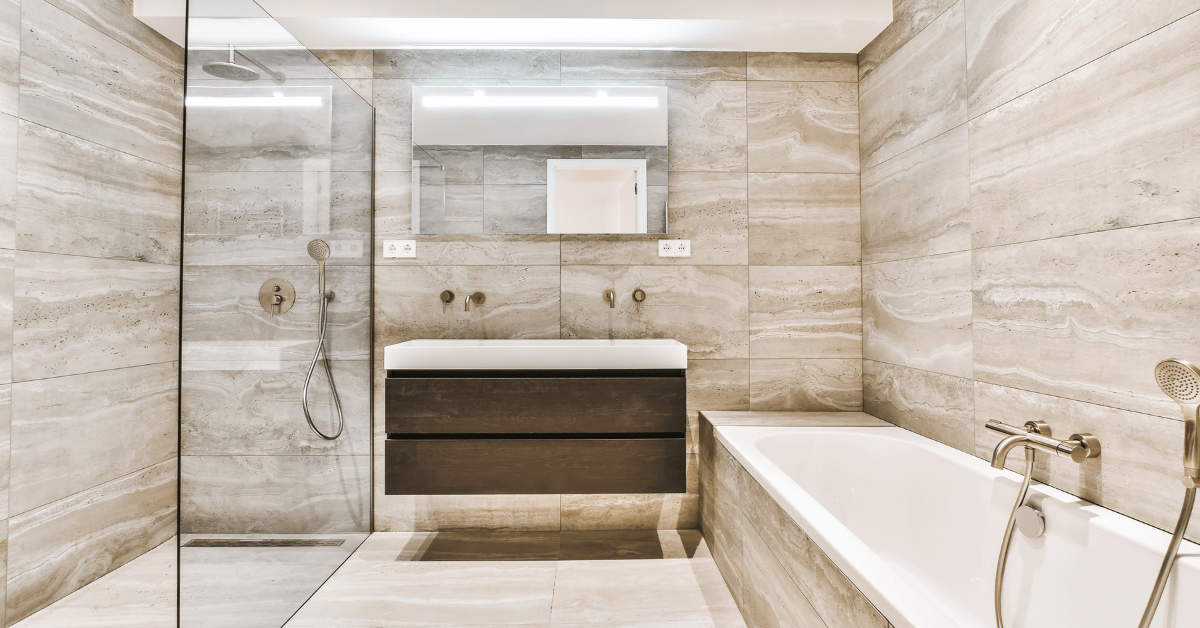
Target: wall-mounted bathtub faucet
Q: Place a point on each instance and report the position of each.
(478, 298)
(1034, 436)
(611, 297)
(1180, 380)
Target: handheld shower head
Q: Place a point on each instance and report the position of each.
(1180, 380)
(318, 250)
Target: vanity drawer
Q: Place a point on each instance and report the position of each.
(515, 466)
(545, 405)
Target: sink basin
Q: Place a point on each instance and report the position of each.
(535, 354)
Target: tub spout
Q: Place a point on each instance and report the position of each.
(1000, 454)
(1036, 435)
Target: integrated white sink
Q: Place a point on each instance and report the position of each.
(535, 354)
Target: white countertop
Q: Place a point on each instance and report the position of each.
(650, 353)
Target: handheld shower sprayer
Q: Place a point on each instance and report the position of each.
(319, 251)
(1180, 380)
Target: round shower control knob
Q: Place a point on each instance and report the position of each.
(1030, 521)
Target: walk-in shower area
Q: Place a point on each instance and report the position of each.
(275, 430)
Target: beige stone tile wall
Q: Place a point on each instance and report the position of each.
(90, 170)
(763, 157)
(1030, 224)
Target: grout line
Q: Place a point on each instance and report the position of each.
(26, 512)
(111, 370)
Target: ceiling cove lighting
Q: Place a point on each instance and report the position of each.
(490, 102)
(253, 101)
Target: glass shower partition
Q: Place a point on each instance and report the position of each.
(278, 153)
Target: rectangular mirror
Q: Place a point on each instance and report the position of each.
(547, 159)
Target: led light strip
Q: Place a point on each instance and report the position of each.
(489, 102)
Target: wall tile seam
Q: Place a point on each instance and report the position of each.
(178, 72)
(172, 363)
(909, 150)
(917, 258)
(178, 167)
(14, 515)
(1086, 233)
(881, 63)
(95, 257)
(1072, 70)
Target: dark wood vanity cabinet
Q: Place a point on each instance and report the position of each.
(521, 432)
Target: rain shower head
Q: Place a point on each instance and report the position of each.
(230, 70)
(319, 250)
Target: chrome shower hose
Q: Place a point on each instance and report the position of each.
(1012, 523)
(320, 355)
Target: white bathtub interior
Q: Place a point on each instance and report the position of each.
(916, 525)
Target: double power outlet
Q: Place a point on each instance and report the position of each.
(674, 248)
(399, 248)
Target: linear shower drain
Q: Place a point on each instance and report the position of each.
(264, 543)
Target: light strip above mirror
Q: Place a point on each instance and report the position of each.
(487, 102)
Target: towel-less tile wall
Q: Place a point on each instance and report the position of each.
(89, 291)
(1044, 266)
(760, 145)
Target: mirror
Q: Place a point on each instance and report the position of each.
(547, 159)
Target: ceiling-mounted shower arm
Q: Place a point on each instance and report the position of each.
(278, 77)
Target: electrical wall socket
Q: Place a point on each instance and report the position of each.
(399, 248)
(674, 248)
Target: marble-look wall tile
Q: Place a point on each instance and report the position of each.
(514, 209)
(60, 547)
(655, 156)
(268, 218)
(10, 55)
(466, 64)
(833, 385)
(917, 313)
(718, 385)
(704, 307)
(522, 302)
(464, 209)
(804, 219)
(275, 494)
(918, 203)
(918, 94)
(1138, 471)
(5, 452)
(477, 250)
(9, 134)
(653, 64)
(522, 165)
(708, 208)
(393, 204)
(80, 314)
(1015, 47)
(348, 64)
(835, 599)
(1087, 317)
(637, 511)
(79, 198)
(909, 17)
(257, 412)
(805, 312)
(802, 66)
(1110, 145)
(802, 127)
(706, 126)
(116, 20)
(220, 306)
(463, 165)
(80, 81)
(73, 433)
(938, 406)
(770, 598)
(7, 288)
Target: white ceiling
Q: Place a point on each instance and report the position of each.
(742, 25)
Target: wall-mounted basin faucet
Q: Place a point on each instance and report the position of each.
(611, 297)
(478, 298)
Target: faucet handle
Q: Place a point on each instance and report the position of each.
(1087, 446)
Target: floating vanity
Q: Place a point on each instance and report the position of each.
(535, 416)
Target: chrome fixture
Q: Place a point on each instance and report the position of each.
(611, 297)
(1180, 380)
(447, 298)
(277, 296)
(237, 72)
(319, 251)
(478, 298)
(1036, 436)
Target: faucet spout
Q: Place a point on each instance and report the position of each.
(1000, 454)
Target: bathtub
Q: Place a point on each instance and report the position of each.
(916, 526)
